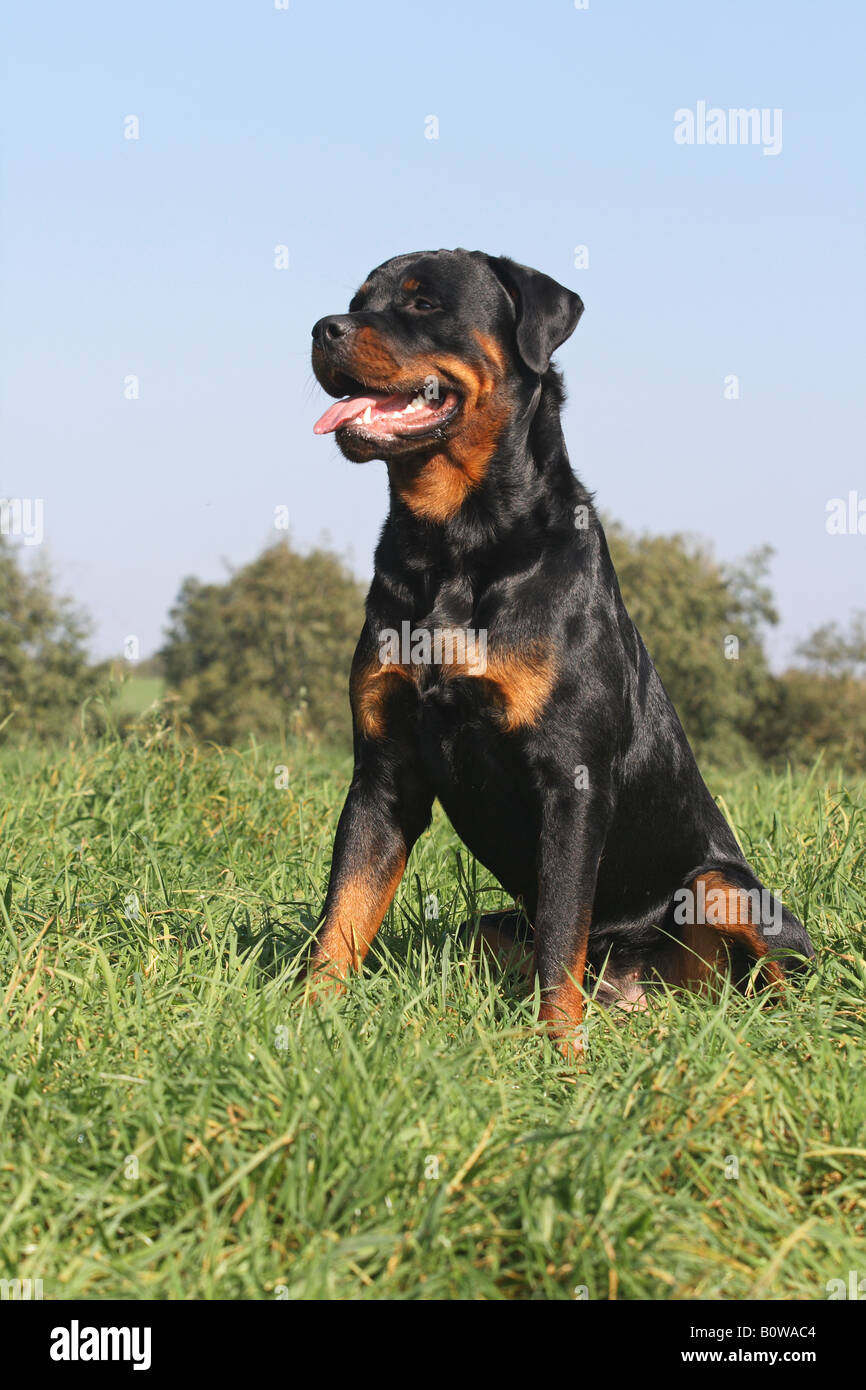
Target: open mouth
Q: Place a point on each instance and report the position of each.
(383, 414)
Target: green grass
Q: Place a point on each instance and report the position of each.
(174, 1125)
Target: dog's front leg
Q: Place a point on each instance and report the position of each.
(571, 841)
(386, 809)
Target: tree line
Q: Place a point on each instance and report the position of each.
(267, 653)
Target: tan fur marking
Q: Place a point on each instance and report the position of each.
(519, 685)
(434, 490)
(348, 931)
(492, 350)
(561, 1010)
(370, 688)
(436, 487)
(703, 954)
(699, 960)
(508, 951)
(522, 683)
(372, 359)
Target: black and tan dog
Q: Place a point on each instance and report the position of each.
(498, 669)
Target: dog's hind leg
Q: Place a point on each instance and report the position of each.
(723, 919)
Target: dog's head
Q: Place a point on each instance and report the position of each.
(437, 349)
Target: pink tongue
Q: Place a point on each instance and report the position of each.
(352, 406)
(340, 411)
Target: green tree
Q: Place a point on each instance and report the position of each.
(807, 713)
(702, 623)
(821, 709)
(834, 652)
(45, 670)
(268, 652)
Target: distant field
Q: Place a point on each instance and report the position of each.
(175, 1125)
(137, 693)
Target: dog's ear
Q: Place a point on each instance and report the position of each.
(547, 313)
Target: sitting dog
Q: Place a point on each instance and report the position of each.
(499, 670)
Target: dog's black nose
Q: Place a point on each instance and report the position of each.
(332, 327)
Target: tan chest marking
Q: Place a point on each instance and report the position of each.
(522, 684)
(517, 684)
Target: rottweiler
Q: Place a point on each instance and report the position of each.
(498, 668)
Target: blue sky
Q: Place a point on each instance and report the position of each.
(306, 127)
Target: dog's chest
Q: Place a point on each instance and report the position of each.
(459, 672)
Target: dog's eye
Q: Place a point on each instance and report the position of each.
(419, 302)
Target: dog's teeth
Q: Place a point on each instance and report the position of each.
(367, 416)
(417, 402)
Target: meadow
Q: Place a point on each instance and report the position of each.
(174, 1124)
